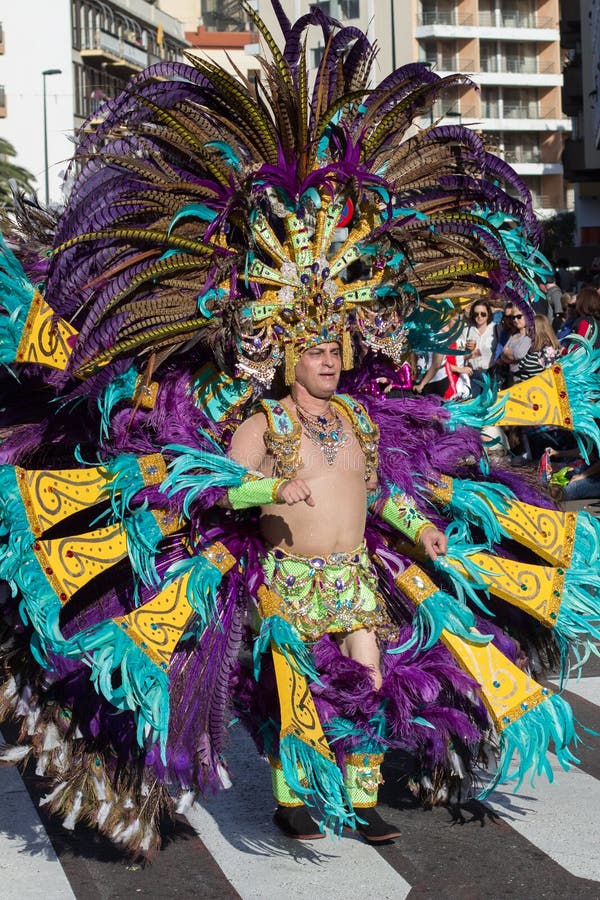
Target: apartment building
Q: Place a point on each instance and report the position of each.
(220, 30)
(66, 57)
(511, 48)
(580, 37)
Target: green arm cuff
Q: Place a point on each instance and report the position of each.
(255, 492)
(400, 512)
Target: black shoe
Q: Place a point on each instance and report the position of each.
(375, 830)
(296, 822)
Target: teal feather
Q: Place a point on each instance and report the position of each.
(120, 389)
(339, 728)
(475, 502)
(275, 630)
(477, 412)
(195, 471)
(143, 538)
(577, 628)
(201, 591)
(16, 294)
(320, 783)
(193, 211)
(528, 738)
(39, 604)
(459, 551)
(227, 152)
(126, 481)
(581, 371)
(142, 687)
(441, 611)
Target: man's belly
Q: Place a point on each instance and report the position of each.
(335, 524)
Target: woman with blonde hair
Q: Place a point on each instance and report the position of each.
(544, 350)
(542, 353)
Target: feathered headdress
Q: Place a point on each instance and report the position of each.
(261, 219)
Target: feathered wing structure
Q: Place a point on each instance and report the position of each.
(214, 229)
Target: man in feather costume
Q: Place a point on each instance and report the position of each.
(221, 239)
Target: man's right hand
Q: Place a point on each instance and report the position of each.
(295, 491)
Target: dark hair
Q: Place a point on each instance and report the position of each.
(488, 310)
(588, 303)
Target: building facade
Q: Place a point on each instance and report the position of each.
(580, 35)
(511, 49)
(88, 50)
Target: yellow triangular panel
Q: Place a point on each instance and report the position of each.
(46, 339)
(51, 496)
(70, 563)
(548, 532)
(158, 625)
(540, 400)
(507, 691)
(537, 590)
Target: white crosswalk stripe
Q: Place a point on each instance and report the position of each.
(236, 827)
(560, 820)
(29, 868)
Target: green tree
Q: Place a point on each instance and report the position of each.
(11, 172)
(559, 233)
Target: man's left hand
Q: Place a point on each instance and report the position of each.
(434, 542)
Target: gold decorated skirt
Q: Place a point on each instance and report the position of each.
(336, 593)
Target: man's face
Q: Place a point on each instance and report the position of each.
(509, 321)
(319, 369)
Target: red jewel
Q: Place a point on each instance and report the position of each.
(36, 546)
(556, 370)
(562, 394)
(69, 553)
(567, 420)
(535, 406)
(48, 571)
(62, 597)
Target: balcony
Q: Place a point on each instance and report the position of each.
(108, 49)
(515, 20)
(2, 102)
(445, 17)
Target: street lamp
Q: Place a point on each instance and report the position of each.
(44, 74)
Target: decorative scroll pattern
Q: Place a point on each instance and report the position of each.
(70, 563)
(540, 400)
(298, 713)
(507, 691)
(548, 532)
(45, 339)
(50, 497)
(158, 625)
(535, 589)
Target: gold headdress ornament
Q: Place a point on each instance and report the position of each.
(310, 298)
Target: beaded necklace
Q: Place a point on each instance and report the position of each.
(327, 434)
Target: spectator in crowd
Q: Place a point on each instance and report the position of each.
(563, 325)
(550, 305)
(518, 344)
(542, 352)
(587, 311)
(435, 378)
(479, 339)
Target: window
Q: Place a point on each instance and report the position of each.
(223, 15)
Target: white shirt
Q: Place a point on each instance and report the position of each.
(484, 342)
